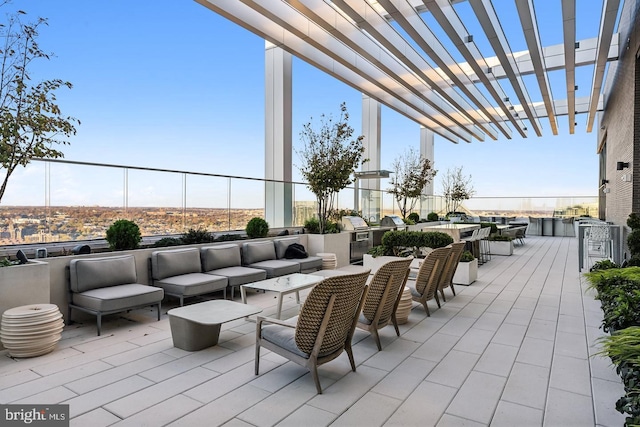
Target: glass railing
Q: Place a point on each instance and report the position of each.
(60, 200)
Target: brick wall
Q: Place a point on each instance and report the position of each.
(621, 121)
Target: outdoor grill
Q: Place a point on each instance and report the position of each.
(393, 221)
(361, 239)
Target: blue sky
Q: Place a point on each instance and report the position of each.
(170, 84)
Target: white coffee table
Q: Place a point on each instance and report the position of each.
(283, 285)
(197, 326)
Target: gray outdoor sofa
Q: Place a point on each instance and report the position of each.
(262, 255)
(226, 261)
(179, 273)
(108, 285)
(307, 265)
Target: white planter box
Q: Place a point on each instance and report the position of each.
(466, 273)
(337, 243)
(499, 247)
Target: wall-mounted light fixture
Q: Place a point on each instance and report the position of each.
(604, 181)
(622, 165)
(606, 190)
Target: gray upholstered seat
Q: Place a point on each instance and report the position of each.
(307, 265)
(226, 261)
(179, 273)
(108, 285)
(262, 255)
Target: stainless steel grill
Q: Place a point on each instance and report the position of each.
(361, 237)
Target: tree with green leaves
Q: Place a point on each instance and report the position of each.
(411, 174)
(456, 187)
(31, 122)
(330, 155)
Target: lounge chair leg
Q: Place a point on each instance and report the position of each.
(376, 337)
(257, 357)
(99, 322)
(351, 360)
(159, 310)
(314, 374)
(426, 308)
(437, 299)
(443, 297)
(453, 290)
(181, 300)
(395, 324)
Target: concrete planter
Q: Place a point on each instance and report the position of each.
(466, 273)
(24, 285)
(500, 247)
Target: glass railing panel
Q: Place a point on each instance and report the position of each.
(246, 201)
(206, 203)
(304, 205)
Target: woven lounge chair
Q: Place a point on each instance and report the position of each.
(383, 297)
(449, 269)
(324, 328)
(425, 287)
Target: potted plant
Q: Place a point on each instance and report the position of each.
(467, 270)
(257, 228)
(123, 235)
(501, 245)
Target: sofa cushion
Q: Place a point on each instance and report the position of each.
(175, 262)
(276, 267)
(118, 298)
(239, 275)
(253, 252)
(283, 244)
(94, 273)
(312, 263)
(283, 336)
(222, 256)
(192, 284)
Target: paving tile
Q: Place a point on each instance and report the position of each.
(453, 369)
(401, 381)
(280, 377)
(457, 326)
(453, 421)
(96, 398)
(478, 397)
(527, 385)
(519, 316)
(109, 376)
(573, 345)
(96, 418)
(510, 334)
(570, 374)
(346, 391)
(546, 312)
(510, 414)
(138, 353)
(571, 324)
(136, 402)
(19, 377)
(39, 385)
(474, 341)
(422, 331)
(223, 409)
(162, 413)
(174, 367)
(414, 407)
(307, 415)
(444, 314)
(536, 351)
(436, 347)
(490, 321)
(499, 305)
(497, 359)
(605, 393)
(542, 329)
(392, 355)
(49, 397)
(525, 303)
(485, 298)
(372, 409)
(473, 310)
(568, 409)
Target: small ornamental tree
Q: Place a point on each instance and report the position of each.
(30, 120)
(412, 174)
(456, 187)
(330, 155)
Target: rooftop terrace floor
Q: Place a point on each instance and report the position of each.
(513, 349)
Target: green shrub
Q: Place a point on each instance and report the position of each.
(633, 222)
(123, 234)
(634, 261)
(413, 216)
(312, 225)
(399, 243)
(378, 250)
(228, 237)
(167, 241)
(618, 290)
(623, 347)
(467, 256)
(432, 216)
(257, 227)
(494, 227)
(604, 264)
(331, 227)
(633, 242)
(192, 236)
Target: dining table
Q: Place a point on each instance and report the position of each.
(455, 230)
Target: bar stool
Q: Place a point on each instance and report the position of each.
(599, 243)
(473, 244)
(485, 246)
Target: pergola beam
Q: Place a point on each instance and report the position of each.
(569, 31)
(530, 28)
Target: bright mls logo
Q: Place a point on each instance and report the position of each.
(34, 415)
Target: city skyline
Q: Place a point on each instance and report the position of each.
(173, 85)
